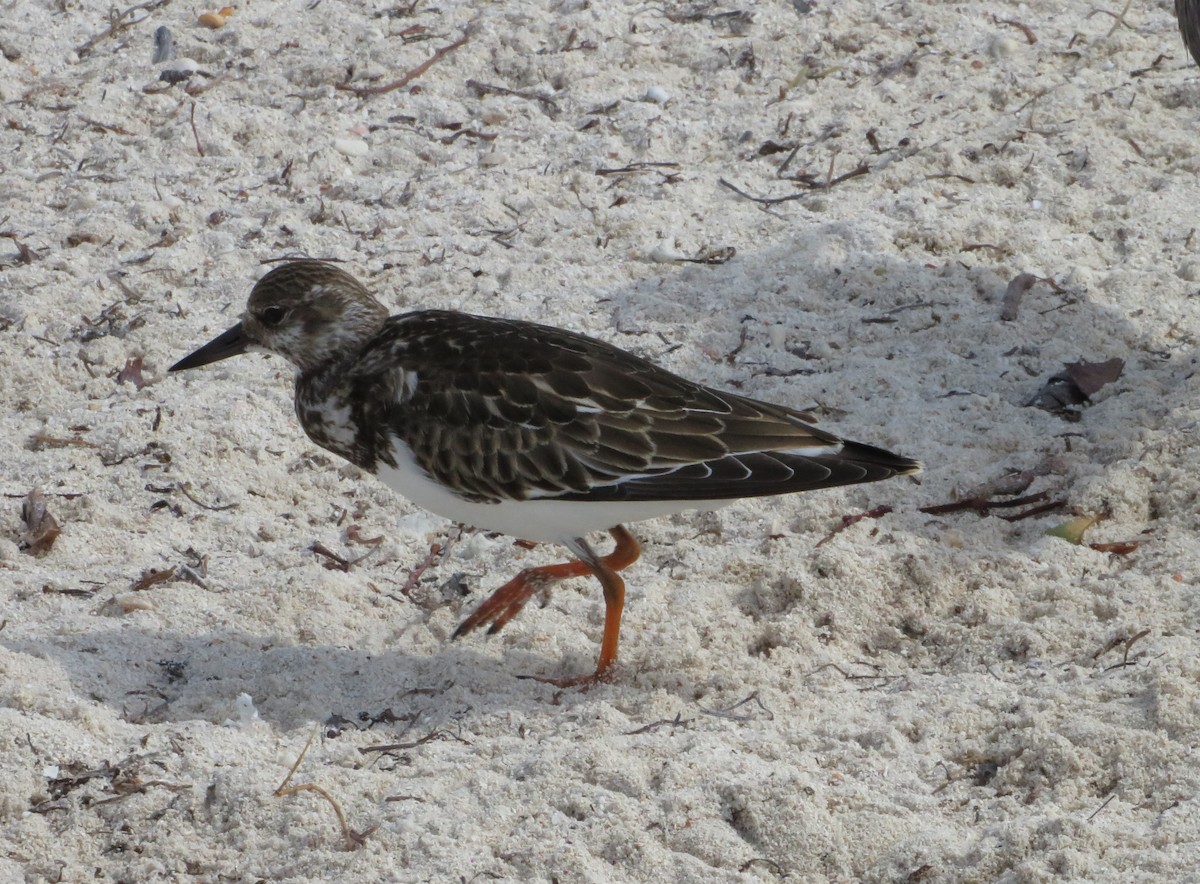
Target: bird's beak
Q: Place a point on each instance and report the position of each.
(231, 343)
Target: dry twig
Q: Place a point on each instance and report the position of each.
(984, 506)
(354, 839)
(876, 513)
(117, 23)
(546, 101)
(437, 554)
(438, 55)
(195, 134)
(1020, 26)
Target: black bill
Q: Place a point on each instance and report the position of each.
(231, 343)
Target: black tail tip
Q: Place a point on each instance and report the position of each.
(880, 461)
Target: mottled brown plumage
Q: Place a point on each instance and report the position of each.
(524, 428)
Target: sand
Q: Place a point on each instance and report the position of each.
(916, 696)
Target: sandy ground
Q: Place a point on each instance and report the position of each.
(926, 697)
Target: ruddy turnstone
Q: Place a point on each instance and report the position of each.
(525, 429)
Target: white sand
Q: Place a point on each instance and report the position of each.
(934, 698)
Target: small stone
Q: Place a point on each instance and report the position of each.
(656, 94)
(1002, 47)
(351, 147)
(665, 254)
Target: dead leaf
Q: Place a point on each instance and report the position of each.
(151, 577)
(354, 535)
(1013, 295)
(1075, 385)
(132, 373)
(1117, 547)
(41, 528)
(1072, 530)
(1089, 377)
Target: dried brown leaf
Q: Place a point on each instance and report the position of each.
(41, 528)
(1089, 377)
(151, 577)
(1117, 547)
(132, 373)
(1011, 304)
(1075, 385)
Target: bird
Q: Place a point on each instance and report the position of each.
(527, 430)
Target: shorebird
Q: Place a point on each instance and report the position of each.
(525, 429)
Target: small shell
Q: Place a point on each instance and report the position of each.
(212, 20)
(226, 12)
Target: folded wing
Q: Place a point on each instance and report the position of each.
(504, 410)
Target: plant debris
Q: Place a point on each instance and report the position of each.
(1072, 530)
(132, 373)
(152, 576)
(984, 505)
(1076, 385)
(41, 528)
(1014, 293)
(876, 513)
(353, 839)
(437, 554)
(1117, 547)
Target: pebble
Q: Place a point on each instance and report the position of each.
(664, 254)
(351, 147)
(1002, 47)
(656, 94)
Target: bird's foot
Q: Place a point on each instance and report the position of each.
(602, 675)
(506, 602)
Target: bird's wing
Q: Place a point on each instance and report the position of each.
(499, 409)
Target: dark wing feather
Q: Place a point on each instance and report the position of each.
(506, 409)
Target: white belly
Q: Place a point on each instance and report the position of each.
(538, 520)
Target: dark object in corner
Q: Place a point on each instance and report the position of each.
(1188, 14)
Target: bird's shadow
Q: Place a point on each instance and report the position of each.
(154, 676)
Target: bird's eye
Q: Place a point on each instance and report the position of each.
(272, 315)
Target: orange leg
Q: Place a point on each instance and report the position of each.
(507, 601)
